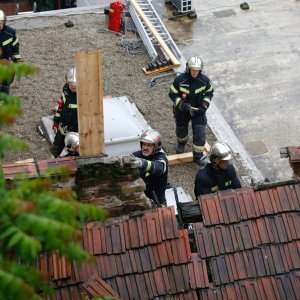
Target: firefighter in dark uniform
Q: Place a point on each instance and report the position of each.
(65, 120)
(191, 93)
(9, 48)
(219, 174)
(153, 164)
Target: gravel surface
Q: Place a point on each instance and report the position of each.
(50, 46)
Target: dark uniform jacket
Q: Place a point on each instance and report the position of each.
(209, 180)
(155, 175)
(198, 91)
(9, 44)
(66, 114)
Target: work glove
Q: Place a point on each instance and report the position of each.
(134, 162)
(55, 127)
(184, 106)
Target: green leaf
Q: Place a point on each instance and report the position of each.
(8, 142)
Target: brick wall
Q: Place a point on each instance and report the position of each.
(9, 7)
(102, 181)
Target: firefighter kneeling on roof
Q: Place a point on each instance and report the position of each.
(65, 119)
(219, 174)
(153, 164)
(191, 93)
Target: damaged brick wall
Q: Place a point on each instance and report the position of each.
(102, 181)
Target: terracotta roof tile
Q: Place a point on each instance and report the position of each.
(248, 246)
(258, 262)
(192, 295)
(95, 286)
(271, 287)
(221, 239)
(198, 273)
(235, 205)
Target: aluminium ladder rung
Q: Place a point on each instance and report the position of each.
(146, 35)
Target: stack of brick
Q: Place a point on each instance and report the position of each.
(102, 181)
(293, 153)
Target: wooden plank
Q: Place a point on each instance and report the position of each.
(153, 30)
(187, 157)
(159, 70)
(90, 103)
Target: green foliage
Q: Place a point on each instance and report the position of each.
(33, 217)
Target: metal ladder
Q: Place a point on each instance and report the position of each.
(146, 35)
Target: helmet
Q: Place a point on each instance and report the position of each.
(2, 17)
(72, 141)
(219, 151)
(152, 136)
(195, 63)
(71, 76)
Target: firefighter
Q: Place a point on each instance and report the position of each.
(191, 93)
(153, 164)
(9, 48)
(219, 174)
(72, 144)
(65, 120)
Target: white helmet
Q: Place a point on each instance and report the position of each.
(72, 141)
(71, 76)
(2, 17)
(195, 63)
(219, 151)
(152, 136)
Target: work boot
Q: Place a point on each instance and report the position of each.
(201, 161)
(180, 148)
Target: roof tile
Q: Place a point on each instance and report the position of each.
(197, 271)
(258, 262)
(242, 204)
(221, 239)
(95, 286)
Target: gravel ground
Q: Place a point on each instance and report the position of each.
(49, 45)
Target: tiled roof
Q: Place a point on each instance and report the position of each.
(247, 247)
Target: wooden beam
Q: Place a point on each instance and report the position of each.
(187, 157)
(165, 47)
(90, 103)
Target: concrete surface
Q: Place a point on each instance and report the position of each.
(252, 58)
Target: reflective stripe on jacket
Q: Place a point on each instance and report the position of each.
(66, 114)
(198, 91)
(9, 44)
(209, 180)
(155, 175)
